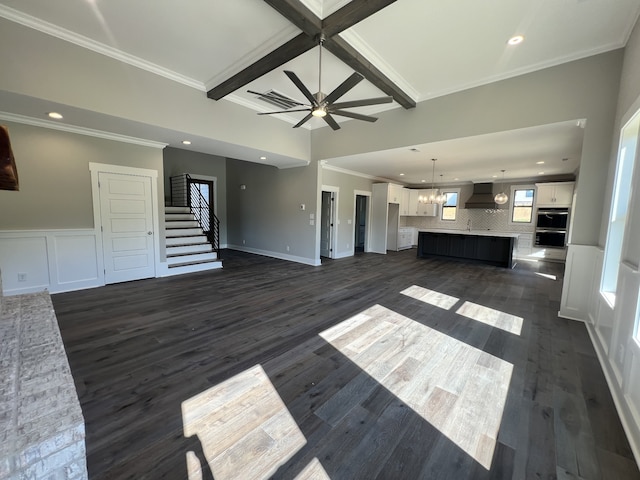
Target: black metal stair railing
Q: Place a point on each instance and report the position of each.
(184, 193)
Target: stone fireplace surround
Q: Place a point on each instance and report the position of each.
(42, 434)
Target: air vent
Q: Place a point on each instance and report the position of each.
(277, 99)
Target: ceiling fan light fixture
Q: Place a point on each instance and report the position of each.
(319, 112)
(515, 40)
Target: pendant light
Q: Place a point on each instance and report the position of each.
(432, 196)
(441, 198)
(501, 198)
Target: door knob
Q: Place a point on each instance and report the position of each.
(149, 233)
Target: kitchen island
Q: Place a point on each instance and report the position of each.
(482, 246)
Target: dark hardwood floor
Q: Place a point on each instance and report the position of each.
(376, 366)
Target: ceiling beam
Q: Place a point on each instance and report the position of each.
(281, 55)
(349, 55)
(312, 26)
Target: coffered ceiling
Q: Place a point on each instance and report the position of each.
(426, 48)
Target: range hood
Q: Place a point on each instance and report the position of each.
(482, 196)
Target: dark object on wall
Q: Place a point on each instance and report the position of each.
(8, 170)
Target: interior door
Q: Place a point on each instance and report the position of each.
(326, 224)
(361, 223)
(126, 211)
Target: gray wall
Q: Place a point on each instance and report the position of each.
(55, 182)
(177, 162)
(267, 215)
(586, 88)
(347, 184)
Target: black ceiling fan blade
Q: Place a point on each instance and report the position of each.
(364, 102)
(304, 120)
(331, 122)
(275, 97)
(344, 87)
(298, 83)
(286, 111)
(357, 116)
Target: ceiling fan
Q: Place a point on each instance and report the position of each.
(323, 106)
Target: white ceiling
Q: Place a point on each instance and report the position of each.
(428, 47)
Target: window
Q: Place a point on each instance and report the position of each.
(450, 206)
(522, 204)
(619, 208)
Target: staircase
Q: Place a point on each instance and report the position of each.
(188, 249)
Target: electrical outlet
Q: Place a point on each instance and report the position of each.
(243, 242)
(22, 277)
(288, 248)
(347, 245)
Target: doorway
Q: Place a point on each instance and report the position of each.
(200, 199)
(360, 239)
(327, 214)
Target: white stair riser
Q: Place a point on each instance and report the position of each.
(198, 267)
(196, 257)
(186, 240)
(177, 210)
(189, 249)
(182, 232)
(181, 224)
(170, 217)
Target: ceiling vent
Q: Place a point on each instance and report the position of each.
(277, 99)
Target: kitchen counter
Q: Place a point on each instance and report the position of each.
(484, 233)
(479, 246)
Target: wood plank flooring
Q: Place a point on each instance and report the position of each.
(376, 366)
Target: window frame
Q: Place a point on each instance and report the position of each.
(512, 199)
(444, 191)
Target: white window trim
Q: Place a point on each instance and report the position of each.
(450, 190)
(512, 197)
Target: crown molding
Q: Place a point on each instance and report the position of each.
(90, 132)
(326, 166)
(90, 44)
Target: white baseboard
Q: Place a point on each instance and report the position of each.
(278, 255)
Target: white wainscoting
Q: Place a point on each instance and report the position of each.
(53, 260)
(579, 278)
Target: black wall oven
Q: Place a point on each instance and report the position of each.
(551, 227)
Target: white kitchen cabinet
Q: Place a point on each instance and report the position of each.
(404, 202)
(556, 194)
(395, 193)
(405, 237)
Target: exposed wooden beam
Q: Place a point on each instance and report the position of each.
(312, 26)
(298, 14)
(349, 55)
(281, 55)
(352, 13)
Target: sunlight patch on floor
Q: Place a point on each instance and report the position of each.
(243, 426)
(431, 297)
(457, 388)
(495, 318)
(547, 275)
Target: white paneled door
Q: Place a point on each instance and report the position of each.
(127, 227)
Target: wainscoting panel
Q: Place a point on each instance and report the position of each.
(53, 260)
(578, 282)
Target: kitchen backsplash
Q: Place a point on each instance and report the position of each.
(480, 220)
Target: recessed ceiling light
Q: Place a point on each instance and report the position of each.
(423, 181)
(540, 173)
(186, 142)
(541, 162)
(55, 115)
(516, 40)
(494, 176)
(456, 178)
(402, 174)
(263, 158)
